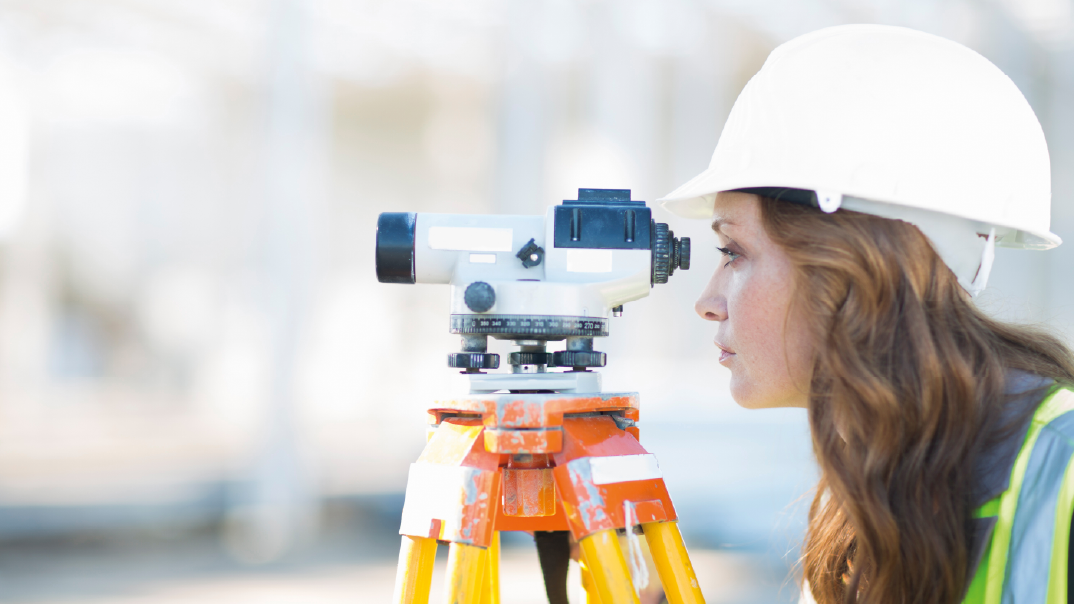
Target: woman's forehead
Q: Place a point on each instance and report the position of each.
(734, 209)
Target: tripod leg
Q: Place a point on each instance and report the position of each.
(608, 567)
(588, 584)
(673, 563)
(414, 575)
(554, 553)
(465, 571)
(490, 587)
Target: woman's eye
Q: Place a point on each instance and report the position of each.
(732, 256)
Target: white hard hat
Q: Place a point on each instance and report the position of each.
(892, 122)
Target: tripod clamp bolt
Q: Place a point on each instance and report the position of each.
(529, 358)
(473, 360)
(579, 358)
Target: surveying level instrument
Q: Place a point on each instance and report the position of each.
(536, 449)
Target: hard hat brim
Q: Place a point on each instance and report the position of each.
(695, 200)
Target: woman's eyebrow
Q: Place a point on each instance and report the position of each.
(717, 225)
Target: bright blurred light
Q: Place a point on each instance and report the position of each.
(14, 146)
(128, 87)
(179, 308)
(590, 158)
(1051, 18)
(667, 27)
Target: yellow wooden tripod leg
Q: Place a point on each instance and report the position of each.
(673, 563)
(608, 567)
(465, 571)
(414, 575)
(490, 586)
(588, 584)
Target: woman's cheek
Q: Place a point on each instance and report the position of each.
(762, 310)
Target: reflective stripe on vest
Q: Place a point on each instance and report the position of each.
(1026, 560)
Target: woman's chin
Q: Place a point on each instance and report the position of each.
(743, 393)
(749, 395)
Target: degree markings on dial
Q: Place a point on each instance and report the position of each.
(529, 325)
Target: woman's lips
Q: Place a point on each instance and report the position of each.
(725, 352)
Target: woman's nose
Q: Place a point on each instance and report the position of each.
(711, 306)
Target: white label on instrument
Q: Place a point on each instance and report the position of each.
(589, 261)
(482, 258)
(472, 239)
(624, 468)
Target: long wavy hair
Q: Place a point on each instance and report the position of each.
(909, 376)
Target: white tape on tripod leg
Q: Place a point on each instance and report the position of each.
(639, 571)
(434, 491)
(624, 468)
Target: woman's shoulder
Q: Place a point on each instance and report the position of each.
(1054, 411)
(1031, 518)
(1004, 437)
(1032, 444)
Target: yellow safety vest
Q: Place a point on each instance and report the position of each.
(1026, 559)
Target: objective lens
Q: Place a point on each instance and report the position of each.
(395, 247)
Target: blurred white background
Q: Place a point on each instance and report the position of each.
(200, 377)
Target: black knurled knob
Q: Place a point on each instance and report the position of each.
(579, 358)
(661, 253)
(529, 358)
(479, 296)
(473, 360)
(673, 262)
(684, 253)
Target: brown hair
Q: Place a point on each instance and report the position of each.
(908, 373)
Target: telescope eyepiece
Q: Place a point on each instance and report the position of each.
(395, 247)
(669, 253)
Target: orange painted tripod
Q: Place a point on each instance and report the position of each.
(537, 462)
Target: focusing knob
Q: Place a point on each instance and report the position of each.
(479, 296)
(676, 253)
(579, 358)
(473, 360)
(669, 253)
(529, 358)
(661, 253)
(682, 253)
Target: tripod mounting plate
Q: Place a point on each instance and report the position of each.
(537, 410)
(565, 381)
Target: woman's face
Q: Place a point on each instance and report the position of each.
(761, 339)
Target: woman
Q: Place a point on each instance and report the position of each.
(857, 193)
